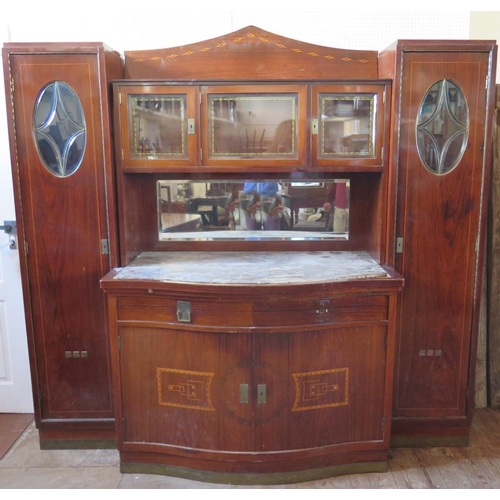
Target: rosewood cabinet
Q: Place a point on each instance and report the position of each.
(251, 127)
(158, 126)
(442, 123)
(62, 165)
(403, 136)
(247, 380)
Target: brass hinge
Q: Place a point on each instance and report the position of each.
(11, 85)
(120, 97)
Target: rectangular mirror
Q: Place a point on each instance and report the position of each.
(253, 210)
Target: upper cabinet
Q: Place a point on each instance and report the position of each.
(251, 127)
(251, 102)
(348, 125)
(157, 126)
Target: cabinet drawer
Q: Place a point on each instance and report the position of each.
(203, 313)
(279, 312)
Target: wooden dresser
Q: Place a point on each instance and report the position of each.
(252, 367)
(289, 239)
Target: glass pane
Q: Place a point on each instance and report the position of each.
(347, 125)
(442, 127)
(254, 125)
(59, 129)
(253, 210)
(158, 126)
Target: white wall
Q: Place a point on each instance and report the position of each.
(150, 27)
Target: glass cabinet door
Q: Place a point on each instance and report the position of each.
(254, 125)
(158, 127)
(347, 125)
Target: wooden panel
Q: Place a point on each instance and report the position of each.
(182, 388)
(206, 313)
(64, 221)
(306, 311)
(494, 268)
(250, 53)
(327, 389)
(439, 220)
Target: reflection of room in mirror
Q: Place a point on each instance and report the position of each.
(254, 209)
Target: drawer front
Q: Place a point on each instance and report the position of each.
(348, 309)
(149, 308)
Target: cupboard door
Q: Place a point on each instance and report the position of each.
(62, 195)
(183, 388)
(443, 120)
(327, 389)
(158, 127)
(348, 125)
(254, 126)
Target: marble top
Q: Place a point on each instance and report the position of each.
(242, 268)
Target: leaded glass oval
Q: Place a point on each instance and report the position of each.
(59, 129)
(442, 127)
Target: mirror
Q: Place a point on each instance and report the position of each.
(253, 210)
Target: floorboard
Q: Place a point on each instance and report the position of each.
(12, 425)
(474, 467)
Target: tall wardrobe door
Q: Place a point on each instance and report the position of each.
(62, 189)
(439, 204)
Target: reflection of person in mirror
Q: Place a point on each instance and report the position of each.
(337, 199)
(266, 203)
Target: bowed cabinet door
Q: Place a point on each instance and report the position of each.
(60, 126)
(442, 188)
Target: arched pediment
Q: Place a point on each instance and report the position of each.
(251, 54)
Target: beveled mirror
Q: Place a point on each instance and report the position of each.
(253, 210)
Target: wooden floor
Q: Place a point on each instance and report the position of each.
(474, 467)
(12, 425)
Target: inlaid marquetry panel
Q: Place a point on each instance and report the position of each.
(321, 389)
(184, 389)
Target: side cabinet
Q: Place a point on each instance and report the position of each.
(442, 126)
(59, 124)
